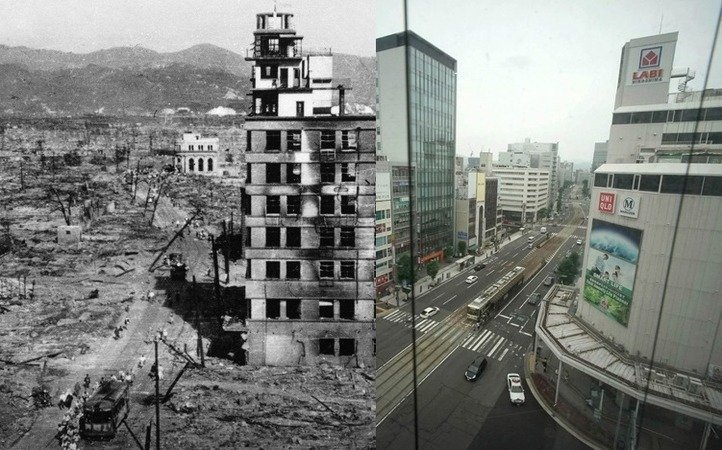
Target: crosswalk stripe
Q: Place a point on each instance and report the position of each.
(420, 324)
(483, 337)
(482, 341)
(394, 314)
(503, 354)
(498, 344)
(467, 340)
(428, 327)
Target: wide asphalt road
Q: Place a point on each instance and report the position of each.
(446, 410)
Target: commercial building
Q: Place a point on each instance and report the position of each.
(645, 329)
(600, 154)
(426, 133)
(523, 192)
(466, 208)
(651, 125)
(195, 154)
(308, 209)
(566, 173)
(538, 155)
(384, 230)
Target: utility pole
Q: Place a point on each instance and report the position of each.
(196, 302)
(226, 247)
(216, 280)
(157, 398)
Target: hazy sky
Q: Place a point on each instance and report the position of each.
(548, 70)
(169, 25)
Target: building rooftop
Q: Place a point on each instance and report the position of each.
(585, 350)
(414, 40)
(662, 169)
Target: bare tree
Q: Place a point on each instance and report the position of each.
(61, 206)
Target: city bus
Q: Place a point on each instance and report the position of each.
(105, 410)
(478, 309)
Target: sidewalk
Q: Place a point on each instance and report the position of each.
(446, 273)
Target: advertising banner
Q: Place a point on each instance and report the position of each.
(611, 268)
(650, 63)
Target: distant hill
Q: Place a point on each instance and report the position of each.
(136, 80)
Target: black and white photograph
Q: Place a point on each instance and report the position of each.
(187, 224)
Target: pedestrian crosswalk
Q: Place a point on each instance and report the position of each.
(404, 318)
(491, 345)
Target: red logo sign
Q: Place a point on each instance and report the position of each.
(606, 202)
(649, 57)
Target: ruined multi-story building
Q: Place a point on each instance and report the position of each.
(196, 154)
(308, 208)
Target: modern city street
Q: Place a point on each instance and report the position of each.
(452, 411)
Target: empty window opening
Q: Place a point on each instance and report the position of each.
(273, 237)
(273, 204)
(293, 204)
(210, 164)
(348, 172)
(326, 347)
(273, 309)
(273, 140)
(326, 237)
(326, 270)
(293, 237)
(348, 237)
(348, 269)
(293, 270)
(348, 204)
(200, 164)
(346, 347)
(293, 308)
(293, 173)
(273, 173)
(328, 205)
(325, 309)
(347, 309)
(293, 139)
(248, 173)
(328, 173)
(273, 269)
(328, 139)
(348, 140)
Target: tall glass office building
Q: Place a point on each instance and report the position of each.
(432, 89)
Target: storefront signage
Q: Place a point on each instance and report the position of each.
(629, 205)
(606, 202)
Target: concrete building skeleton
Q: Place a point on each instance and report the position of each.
(309, 208)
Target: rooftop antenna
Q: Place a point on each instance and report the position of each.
(660, 24)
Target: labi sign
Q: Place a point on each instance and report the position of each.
(649, 62)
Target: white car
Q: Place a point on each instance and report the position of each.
(428, 312)
(471, 279)
(516, 391)
(579, 242)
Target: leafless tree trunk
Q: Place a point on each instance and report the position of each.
(66, 215)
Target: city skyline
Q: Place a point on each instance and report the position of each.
(538, 73)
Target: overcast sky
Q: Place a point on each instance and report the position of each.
(170, 25)
(548, 70)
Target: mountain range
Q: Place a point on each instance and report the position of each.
(136, 80)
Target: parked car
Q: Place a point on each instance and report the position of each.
(516, 391)
(534, 298)
(471, 279)
(428, 312)
(548, 281)
(579, 242)
(479, 266)
(475, 369)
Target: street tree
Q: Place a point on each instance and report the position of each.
(432, 269)
(461, 246)
(543, 213)
(569, 268)
(403, 269)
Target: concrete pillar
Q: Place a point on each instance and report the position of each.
(336, 311)
(283, 313)
(619, 418)
(705, 436)
(559, 378)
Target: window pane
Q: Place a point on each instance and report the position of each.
(623, 181)
(649, 183)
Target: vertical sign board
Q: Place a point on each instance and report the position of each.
(629, 205)
(611, 268)
(606, 202)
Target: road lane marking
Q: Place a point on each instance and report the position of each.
(495, 347)
(429, 327)
(513, 324)
(450, 299)
(438, 296)
(524, 332)
(482, 341)
(503, 354)
(501, 315)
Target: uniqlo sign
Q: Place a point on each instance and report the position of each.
(606, 202)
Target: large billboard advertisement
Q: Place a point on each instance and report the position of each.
(611, 268)
(650, 63)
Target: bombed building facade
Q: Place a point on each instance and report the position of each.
(308, 209)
